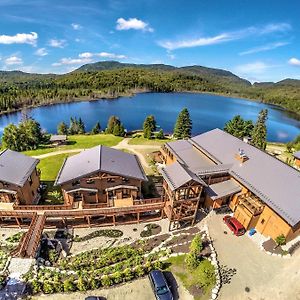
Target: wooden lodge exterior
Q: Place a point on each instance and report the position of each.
(296, 156)
(19, 179)
(261, 191)
(102, 176)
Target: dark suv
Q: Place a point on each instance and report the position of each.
(160, 286)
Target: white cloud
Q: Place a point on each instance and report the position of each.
(257, 67)
(294, 62)
(41, 52)
(76, 26)
(264, 48)
(133, 23)
(19, 38)
(225, 36)
(102, 54)
(57, 43)
(13, 60)
(72, 61)
(87, 57)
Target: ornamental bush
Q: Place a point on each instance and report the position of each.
(196, 244)
(82, 285)
(69, 285)
(192, 260)
(36, 286)
(106, 281)
(117, 277)
(48, 287)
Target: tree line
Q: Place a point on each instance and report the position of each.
(26, 91)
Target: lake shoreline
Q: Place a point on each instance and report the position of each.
(133, 93)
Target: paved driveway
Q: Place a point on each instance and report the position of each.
(264, 276)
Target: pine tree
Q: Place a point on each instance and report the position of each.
(62, 128)
(111, 124)
(259, 133)
(183, 126)
(239, 127)
(160, 135)
(96, 129)
(81, 126)
(149, 126)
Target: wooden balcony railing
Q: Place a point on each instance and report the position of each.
(41, 207)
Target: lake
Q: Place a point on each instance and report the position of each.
(207, 112)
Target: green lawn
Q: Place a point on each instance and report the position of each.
(79, 142)
(51, 165)
(203, 276)
(140, 140)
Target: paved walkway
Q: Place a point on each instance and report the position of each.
(264, 276)
(122, 145)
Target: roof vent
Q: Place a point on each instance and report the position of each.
(241, 156)
(247, 139)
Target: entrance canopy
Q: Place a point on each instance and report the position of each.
(222, 189)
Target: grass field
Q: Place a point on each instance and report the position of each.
(279, 150)
(203, 276)
(140, 140)
(79, 142)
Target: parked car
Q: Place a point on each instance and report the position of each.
(234, 225)
(160, 286)
(94, 298)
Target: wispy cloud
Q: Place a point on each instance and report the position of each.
(133, 23)
(41, 52)
(263, 48)
(76, 26)
(294, 62)
(87, 57)
(224, 37)
(57, 43)
(257, 67)
(19, 38)
(13, 60)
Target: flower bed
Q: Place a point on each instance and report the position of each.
(15, 238)
(149, 244)
(179, 240)
(112, 233)
(3, 259)
(94, 269)
(150, 229)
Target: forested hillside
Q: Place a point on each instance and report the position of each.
(113, 79)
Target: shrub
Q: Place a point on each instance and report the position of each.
(139, 270)
(36, 286)
(192, 260)
(48, 287)
(15, 238)
(149, 230)
(196, 244)
(82, 284)
(205, 274)
(69, 285)
(58, 286)
(117, 277)
(106, 281)
(53, 256)
(128, 274)
(280, 240)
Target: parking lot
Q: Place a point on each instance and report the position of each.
(258, 275)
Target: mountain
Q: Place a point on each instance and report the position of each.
(111, 79)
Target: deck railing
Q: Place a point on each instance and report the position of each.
(41, 207)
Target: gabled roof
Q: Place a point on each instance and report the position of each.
(222, 189)
(58, 138)
(15, 167)
(297, 155)
(100, 159)
(276, 183)
(177, 175)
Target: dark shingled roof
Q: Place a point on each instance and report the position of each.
(274, 182)
(177, 175)
(100, 159)
(15, 167)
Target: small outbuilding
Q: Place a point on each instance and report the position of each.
(57, 140)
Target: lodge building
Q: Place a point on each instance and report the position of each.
(101, 175)
(19, 179)
(216, 169)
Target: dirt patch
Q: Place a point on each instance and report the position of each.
(151, 229)
(181, 248)
(179, 240)
(192, 230)
(151, 243)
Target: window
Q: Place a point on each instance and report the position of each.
(92, 194)
(262, 221)
(30, 180)
(125, 179)
(90, 181)
(110, 180)
(76, 182)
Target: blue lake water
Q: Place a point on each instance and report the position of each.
(207, 112)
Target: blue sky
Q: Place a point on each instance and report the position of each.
(258, 40)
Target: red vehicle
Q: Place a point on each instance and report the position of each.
(234, 225)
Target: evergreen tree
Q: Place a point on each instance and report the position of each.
(259, 134)
(183, 126)
(160, 135)
(11, 137)
(81, 127)
(62, 128)
(149, 126)
(111, 124)
(239, 127)
(96, 129)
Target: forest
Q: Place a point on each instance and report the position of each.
(113, 79)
